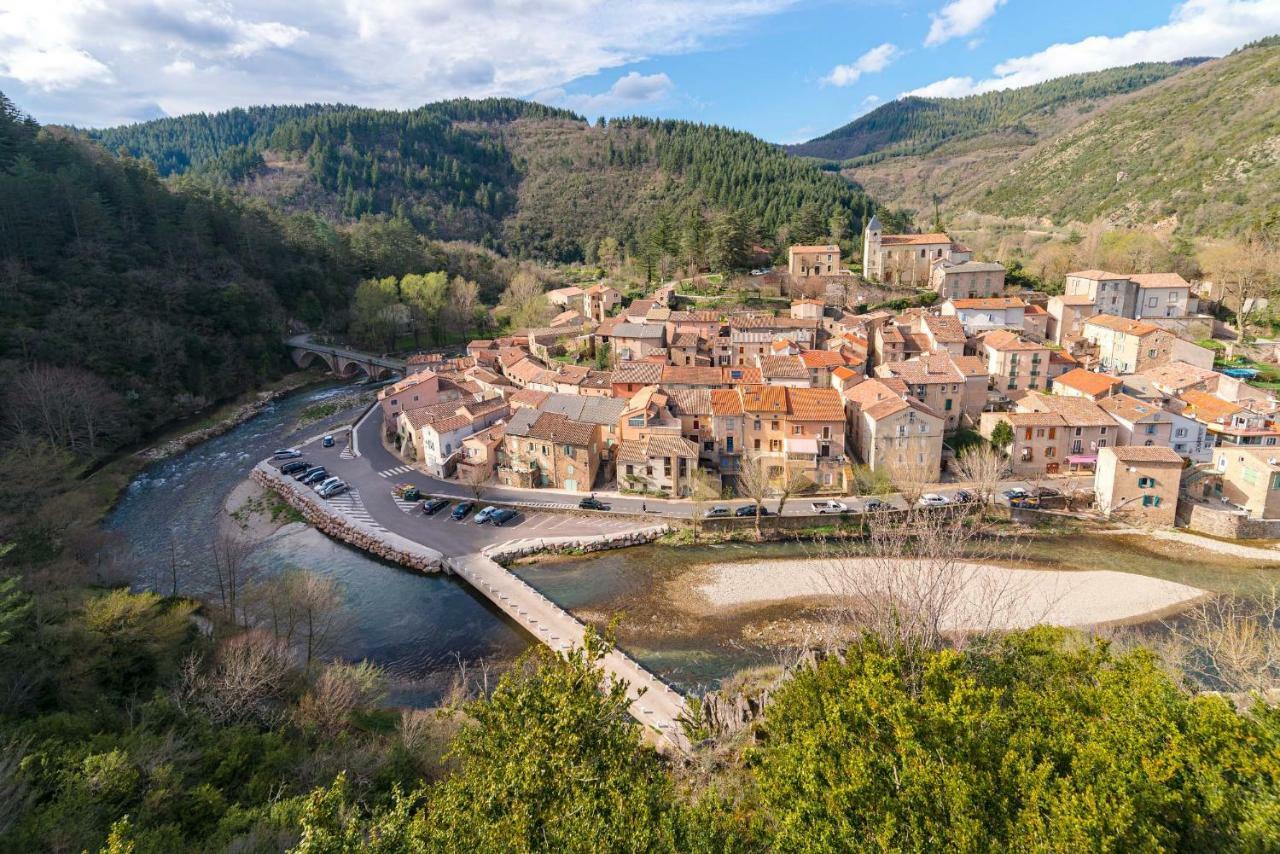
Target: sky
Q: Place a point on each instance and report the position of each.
(785, 70)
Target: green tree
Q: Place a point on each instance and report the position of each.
(1002, 435)
(731, 238)
(1038, 740)
(427, 297)
(377, 313)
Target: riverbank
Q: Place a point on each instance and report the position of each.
(977, 596)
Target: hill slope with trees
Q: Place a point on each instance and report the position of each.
(527, 180)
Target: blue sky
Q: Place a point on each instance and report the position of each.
(786, 70)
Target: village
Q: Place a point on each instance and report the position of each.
(1111, 383)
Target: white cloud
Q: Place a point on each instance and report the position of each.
(627, 92)
(1196, 28)
(959, 18)
(876, 59)
(870, 100)
(384, 53)
(180, 67)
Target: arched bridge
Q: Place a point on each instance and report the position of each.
(343, 362)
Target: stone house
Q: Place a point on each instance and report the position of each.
(478, 462)
(1138, 484)
(977, 316)
(657, 462)
(968, 280)
(600, 300)
(1088, 427)
(1067, 314)
(548, 450)
(1139, 422)
(906, 258)
(433, 435)
(894, 433)
(1088, 384)
(635, 341)
(1013, 362)
(1128, 346)
(1249, 478)
(805, 261)
(937, 381)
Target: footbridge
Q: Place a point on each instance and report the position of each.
(341, 361)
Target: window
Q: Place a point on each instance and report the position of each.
(1275, 481)
(1151, 501)
(568, 470)
(635, 421)
(826, 432)
(947, 405)
(1180, 432)
(773, 425)
(757, 424)
(1050, 452)
(1146, 482)
(795, 430)
(631, 470)
(756, 446)
(1151, 302)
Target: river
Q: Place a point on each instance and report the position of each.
(414, 626)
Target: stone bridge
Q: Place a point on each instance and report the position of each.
(341, 361)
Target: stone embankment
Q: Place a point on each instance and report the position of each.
(237, 417)
(328, 520)
(516, 549)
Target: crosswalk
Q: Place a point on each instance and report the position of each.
(550, 505)
(351, 504)
(395, 471)
(348, 453)
(406, 506)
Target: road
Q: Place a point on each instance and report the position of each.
(368, 443)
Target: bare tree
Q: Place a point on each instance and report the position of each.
(67, 407)
(703, 487)
(983, 467)
(792, 483)
(1229, 643)
(1244, 273)
(248, 680)
(755, 483)
(474, 478)
(913, 479)
(340, 690)
(303, 609)
(928, 578)
(230, 555)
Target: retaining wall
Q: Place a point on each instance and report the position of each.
(1220, 522)
(327, 520)
(596, 542)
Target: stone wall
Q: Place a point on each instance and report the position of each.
(594, 543)
(1221, 522)
(329, 521)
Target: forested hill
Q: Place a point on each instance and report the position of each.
(920, 125)
(529, 180)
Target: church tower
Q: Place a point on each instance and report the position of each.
(871, 251)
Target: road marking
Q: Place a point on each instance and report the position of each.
(351, 504)
(395, 471)
(347, 453)
(405, 506)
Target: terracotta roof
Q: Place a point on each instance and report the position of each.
(844, 373)
(1035, 309)
(571, 317)
(815, 404)
(828, 247)
(1075, 299)
(1034, 419)
(891, 333)
(690, 401)
(924, 369)
(884, 408)
(783, 368)
(1144, 454)
(598, 379)
(914, 239)
(654, 446)
(1089, 382)
(725, 402)
(528, 397)
(645, 373)
(1209, 407)
(1077, 411)
(685, 339)
(481, 344)
(1131, 409)
(970, 366)
(1004, 340)
(697, 375)
(872, 391)
(764, 398)
(1122, 324)
(945, 329)
(1178, 375)
(989, 302)
(765, 321)
(821, 359)
(551, 426)
(1159, 280)
(741, 375)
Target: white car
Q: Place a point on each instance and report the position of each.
(932, 499)
(830, 507)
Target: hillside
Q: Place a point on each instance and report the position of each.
(1201, 150)
(1196, 150)
(526, 179)
(914, 126)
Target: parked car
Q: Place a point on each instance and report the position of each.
(485, 515)
(286, 454)
(434, 506)
(960, 496)
(750, 510)
(461, 509)
(592, 503)
(1045, 492)
(932, 499)
(309, 470)
(830, 507)
(329, 481)
(1015, 492)
(295, 466)
(874, 505)
(333, 489)
(502, 516)
(315, 476)
(718, 510)
(1024, 501)
(410, 494)
(327, 442)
